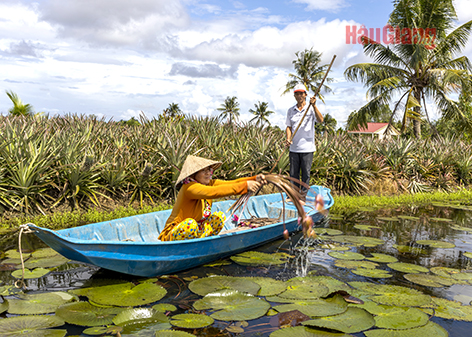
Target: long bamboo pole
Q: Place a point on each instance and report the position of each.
(306, 111)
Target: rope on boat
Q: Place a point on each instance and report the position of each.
(23, 229)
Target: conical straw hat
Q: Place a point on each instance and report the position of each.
(193, 164)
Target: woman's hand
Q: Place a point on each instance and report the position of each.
(260, 178)
(253, 186)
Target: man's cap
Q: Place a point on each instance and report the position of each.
(299, 88)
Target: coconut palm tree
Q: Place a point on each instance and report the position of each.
(327, 126)
(410, 70)
(172, 111)
(19, 109)
(308, 72)
(229, 109)
(261, 113)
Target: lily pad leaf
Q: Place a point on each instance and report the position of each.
(191, 321)
(409, 217)
(32, 326)
(259, 258)
(460, 228)
(358, 240)
(452, 310)
(346, 255)
(304, 289)
(320, 307)
(349, 264)
(232, 305)
(208, 285)
(334, 246)
(393, 295)
(428, 280)
(4, 306)
(327, 231)
(468, 254)
(351, 321)
(409, 249)
(44, 252)
(28, 304)
(269, 286)
(436, 243)
(136, 314)
(305, 331)
(398, 318)
(430, 329)
(407, 267)
(382, 258)
(95, 331)
(86, 314)
(172, 333)
(30, 274)
(374, 273)
(126, 294)
(366, 227)
(163, 307)
(48, 262)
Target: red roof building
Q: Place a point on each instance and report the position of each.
(377, 129)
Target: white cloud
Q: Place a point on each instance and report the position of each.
(463, 10)
(324, 5)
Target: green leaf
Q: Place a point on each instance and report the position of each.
(28, 304)
(428, 280)
(351, 321)
(259, 258)
(346, 255)
(305, 331)
(407, 267)
(355, 264)
(208, 285)
(191, 321)
(269, 286)
(30, 274)
(381, 258)
(436, 243)
(32, 326)
(321, 307)
(374, 273)
(86, 314)
(231, 305)
(430, 329)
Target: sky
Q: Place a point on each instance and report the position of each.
(118, 59)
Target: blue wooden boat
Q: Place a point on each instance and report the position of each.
(131, 246)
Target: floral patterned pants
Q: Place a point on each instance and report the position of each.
(189, 228)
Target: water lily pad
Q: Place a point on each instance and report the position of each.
(9, 290)
(304, 289)
(385, 218)
(407, 267)
(436, 243)
(86, 314)
(232, 305)
(331, 283)
(102, 330)
(305, 331)
(366, 227)
(410, 249)
(320, 307)
(440, 219)
(398, 318)
(446, 272)
(163, 307)
(459, 228)
(468, 254)
(349, 264)
(393, 295)
(260, 258)
(408, 217)
(452, 310)
(269, 286)
(191, 321)
(351, 321)
(47, 262)
(358, 240)
(428, 280)
(14, 254)
(44, 252)
(126, 294)
(136, 314)
(430, 329)
(172, 333)
(208, 285)
(327, 231)
(30, 274)
(381, 258)
(346, 255)
(218, 263)
(334, 246)
(374, 273)
(27, 304)
(4, 306)
(32, 326)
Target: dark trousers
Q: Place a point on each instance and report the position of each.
(301, 162)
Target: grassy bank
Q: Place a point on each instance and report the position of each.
(342, 204)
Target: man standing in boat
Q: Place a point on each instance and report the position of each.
(300, 135)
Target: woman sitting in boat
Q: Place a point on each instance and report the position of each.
(191, 216)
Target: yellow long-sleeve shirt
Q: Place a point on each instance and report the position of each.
(191, 200)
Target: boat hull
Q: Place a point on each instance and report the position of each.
(130, 245)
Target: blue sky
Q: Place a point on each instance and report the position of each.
(119, 58)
